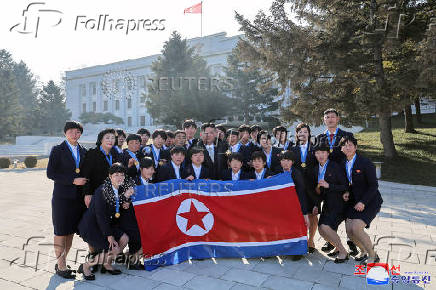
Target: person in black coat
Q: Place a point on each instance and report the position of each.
(190, 128)
(156, 151)
(97, 163)
(258, 160)
(305, 161)
(235, 172)
(101, 225)
(196, 169)
(120, 138)
(132, 155)
(364, 198)
(67, 203)
(272, 153)
(172, 169)
(332, 135)
(331, 184)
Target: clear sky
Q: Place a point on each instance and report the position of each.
(59, 47)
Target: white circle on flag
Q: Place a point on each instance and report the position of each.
(194, 218)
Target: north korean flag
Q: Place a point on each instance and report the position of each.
(180, 220)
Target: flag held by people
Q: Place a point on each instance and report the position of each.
(180, 220)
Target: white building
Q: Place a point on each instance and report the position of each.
(84, 90)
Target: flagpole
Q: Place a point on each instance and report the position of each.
(201, 20)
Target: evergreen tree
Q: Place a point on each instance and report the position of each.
(342, 54)
(52, 108)
(182, 86)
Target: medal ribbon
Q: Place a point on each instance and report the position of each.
(108, 157)
(321, 172)
(268, 158)
(349, 165)
(155, 156)
(133, 155)
(76, 160)
(332, 143)
(304, 153)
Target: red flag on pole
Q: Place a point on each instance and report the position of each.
(197, 8)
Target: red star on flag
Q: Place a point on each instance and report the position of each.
(194, 217)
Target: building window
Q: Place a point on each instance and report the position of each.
(117, 105)
(105, 106)
(94, 106)
(129, 103)
(82, 90)
(142, 82)
(83, 108)
(142, 120)
(92, 89)
(129, 121)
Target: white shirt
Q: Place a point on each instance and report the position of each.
(211, 151)
(235, 176)
(74, 149)
(303, 147)
(259, 175)
(176, 170)
(144, 181)
(197, 171)
(115, 191)
(349, 167)
(234, 148)
(157, 151)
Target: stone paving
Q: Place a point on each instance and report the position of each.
(404, 234)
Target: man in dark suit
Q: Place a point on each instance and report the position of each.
(332, 135)
(190, 128)
(172, 169)
(132, 155)
(247, 147)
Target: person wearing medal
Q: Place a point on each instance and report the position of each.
(67, 205)
(305, 161)
(332, 135)
(100, 226)
(235, 171)
(120, 138)
(258, 160)
(331, 184)
(364, 198)
(156, 151)
(131, 156)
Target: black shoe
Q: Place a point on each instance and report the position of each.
(121, 258)
(361, 258)
(87, 277)
(136, 266)
(354, 251)
(112, 272)
(340, 261)
(67, 274)
(296, 257)
(327, 247)
(368, 260)
(333, 254)
(57, 267)
(94, 269)
(311, 250)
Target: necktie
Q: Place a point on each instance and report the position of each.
(211, 155)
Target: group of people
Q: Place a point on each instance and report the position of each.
(93, 188)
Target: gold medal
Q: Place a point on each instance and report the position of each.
(318, 186)
(136, 163)
(228, 152)
(331, 150)
(117, 214)
(161, 163)
(77, 170)
(303, 164)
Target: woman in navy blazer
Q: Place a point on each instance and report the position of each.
(67, 204)
(364, 198)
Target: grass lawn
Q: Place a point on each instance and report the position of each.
(416, 163)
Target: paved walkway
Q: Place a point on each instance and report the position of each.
(404, 233)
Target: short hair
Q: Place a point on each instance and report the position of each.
(221, 128)
(117, 168)
(102, 133)
(146, 162)
(170, 134)
(73, 125)
(287, 154)
(179, 132)
(322, 146)
(195, 150)
(178, 149)
(348, 138)
(263, 132)
(244, 128)
(258, 155)
(189, 123)
(133, 137)
(207, 125)
(120, 132)
(236, 156)
(143, 131)
(301, 126)
(255, 128)
(159, 132)
(331, 110)
(233, 132)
